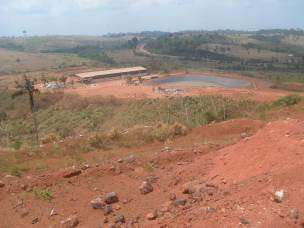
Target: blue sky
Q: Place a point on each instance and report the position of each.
(97, 17)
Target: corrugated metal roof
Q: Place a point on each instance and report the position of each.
(110, 72)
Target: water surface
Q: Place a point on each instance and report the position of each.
(201, 81)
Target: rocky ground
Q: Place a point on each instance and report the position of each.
(239, 173)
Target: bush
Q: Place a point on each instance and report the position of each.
(17, 170)
(16, 145)
(99, 141)
(178, 129)
(44, 194)
(163, 132)
(114, 134)
(288, 101)
(3, 116)
(50, 138)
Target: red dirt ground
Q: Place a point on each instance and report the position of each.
(259, 90)
(231, 176)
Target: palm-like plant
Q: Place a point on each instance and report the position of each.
(27, 86)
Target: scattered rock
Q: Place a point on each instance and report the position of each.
(111, 198)
(130, 159)
(24, 187)
(72, 173)
(172, 196)
(107, 209)
(120, 219)
(152, 215)
(279, 196)
(2, 184)
(210, 209)
(146, 187)
(180, 202)
(294, 213)
(24, 212)
(35, 220)
(105, 220)
(192, 187)
(19, 203)
(244, 135)
(166, 149)
(160, 213)
(120, 160)
(53, 212)
(244, 221)
(165, 207)
(85, 167)
(187, 190)
(70, 222)
(152, 179)
(196, 196)
(97, 203)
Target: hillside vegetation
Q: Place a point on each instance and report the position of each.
(276, 55)
(273, 50)
(61, 116)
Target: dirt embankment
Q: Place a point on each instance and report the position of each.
(220, 175)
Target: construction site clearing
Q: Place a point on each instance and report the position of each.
(138, 86)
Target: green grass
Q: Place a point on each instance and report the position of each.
(13, 168)
(148, 167)
(44, 194)
(288, 101)
(111, 122)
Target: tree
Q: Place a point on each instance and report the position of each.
(140, 79)
(129, 80)
(63, 79)
(24, 32)
(27, 86)
(133, 42)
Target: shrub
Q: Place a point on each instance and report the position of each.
(44, 194)
(3, 116)
(288, 101)
(17, 170)
(99, 141)
(114, 134)
(163, 132)
(148, 167)
(50, 138)
(16, 145)
(178, 129)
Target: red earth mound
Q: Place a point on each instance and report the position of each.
(221, 175)
(274, 149)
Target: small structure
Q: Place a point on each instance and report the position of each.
(96, 76)
(54, 85)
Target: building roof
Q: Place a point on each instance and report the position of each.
(110, 72)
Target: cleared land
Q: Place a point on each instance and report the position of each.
(15, 62)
